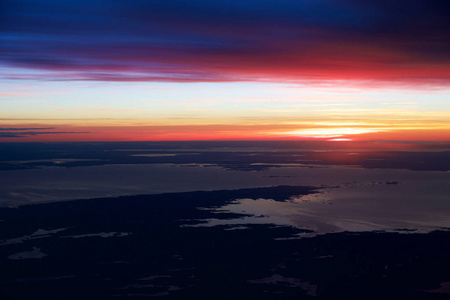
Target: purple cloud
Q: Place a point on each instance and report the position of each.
(200, 40)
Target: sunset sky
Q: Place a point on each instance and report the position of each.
(153, 70)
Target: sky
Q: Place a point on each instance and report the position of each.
(117, 70)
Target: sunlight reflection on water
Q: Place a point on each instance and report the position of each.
(349, 198)
(350, 207)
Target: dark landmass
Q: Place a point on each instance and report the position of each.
(243, 156)
(143, 246)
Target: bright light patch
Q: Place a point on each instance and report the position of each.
(348, 124)
(340, 140)
(329, 132)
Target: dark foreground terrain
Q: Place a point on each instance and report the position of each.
(152, 246)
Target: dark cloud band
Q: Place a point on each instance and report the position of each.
(22, 129)
(23, 132)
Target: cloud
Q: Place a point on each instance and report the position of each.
(21, 129)
(200, 40)
(24, 132)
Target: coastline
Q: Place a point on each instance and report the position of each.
(139, 245)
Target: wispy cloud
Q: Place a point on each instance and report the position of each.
(24, 132)
(377, 42)
(22, 129)
(30, 133)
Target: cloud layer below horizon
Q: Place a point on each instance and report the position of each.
(382, 42)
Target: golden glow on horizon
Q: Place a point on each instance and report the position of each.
(329, 132)
(243, 111)
(338, 130)
(325, 123)
(340, 140)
